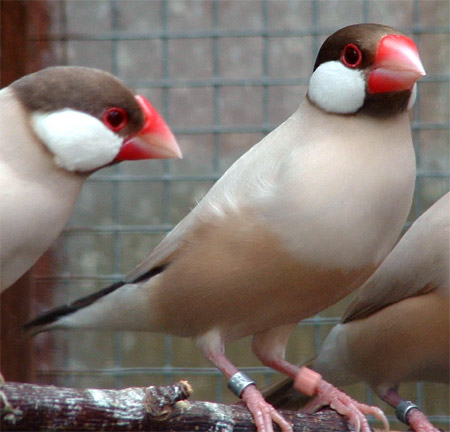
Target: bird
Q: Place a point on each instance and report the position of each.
(57, 126)
(397, 327)
(294, 225)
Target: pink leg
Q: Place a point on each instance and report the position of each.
(311, 383)
(282, 366)
(419, 422)
(262, 412)
(270, 347)
(414, 417)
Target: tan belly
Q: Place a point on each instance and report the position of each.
(237, 278)
(406, 341)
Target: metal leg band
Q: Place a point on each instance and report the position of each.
(402, 410)
(238, 382)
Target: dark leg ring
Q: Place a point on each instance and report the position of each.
(402, 410)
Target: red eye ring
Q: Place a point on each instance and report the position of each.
(351, 56)
(115, 118)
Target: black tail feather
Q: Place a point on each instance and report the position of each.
(54, 314)
(152, 272)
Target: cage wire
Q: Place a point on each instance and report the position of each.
(223, 73)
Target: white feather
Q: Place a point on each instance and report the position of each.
(337, 89)
(78, 141)
(210, 341)
(412, 98)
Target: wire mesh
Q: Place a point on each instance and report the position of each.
(223, 73)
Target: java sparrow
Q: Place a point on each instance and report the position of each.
(294, 225)
(397, 329)
(57, 126)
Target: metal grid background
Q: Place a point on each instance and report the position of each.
(223, 73)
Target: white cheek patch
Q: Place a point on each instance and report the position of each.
(336, 88)
(79, 141)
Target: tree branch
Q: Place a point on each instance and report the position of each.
(39, 408)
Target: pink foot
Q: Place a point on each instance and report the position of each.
(311, 383)
(263, 413)
(419, 422)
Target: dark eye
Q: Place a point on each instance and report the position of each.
(115, 118)
(351, 56)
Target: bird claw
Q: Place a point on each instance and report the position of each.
(263, 413)
(311, 382)
(418, 422)
(355, 411)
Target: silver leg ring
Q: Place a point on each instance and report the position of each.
(238, 382)
(402, 410)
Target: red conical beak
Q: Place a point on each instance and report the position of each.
(397, 65)
(154, 141)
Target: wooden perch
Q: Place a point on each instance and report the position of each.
(165, 408)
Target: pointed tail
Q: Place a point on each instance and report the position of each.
(120, 306)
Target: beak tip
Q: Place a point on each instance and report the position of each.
(174, 148)
(156, 140)
(167, 148)
(420, 68)
(177, 155)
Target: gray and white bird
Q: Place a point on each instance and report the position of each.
(294, 225)
(397, 329)
(57, 126)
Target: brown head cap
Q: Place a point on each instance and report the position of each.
(91, 91)
(367, 38)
